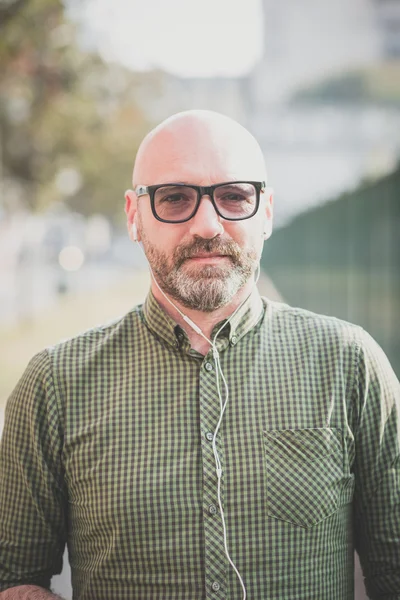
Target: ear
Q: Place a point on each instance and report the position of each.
(269, 197)
(130, 210)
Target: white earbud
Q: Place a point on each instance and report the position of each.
(134, 231)
(267, 230)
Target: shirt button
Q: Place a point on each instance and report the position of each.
(209, 436)
(234, 340)
(212, 509)
(215, 586)
(208, 366)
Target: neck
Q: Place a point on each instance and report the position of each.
(205, 320)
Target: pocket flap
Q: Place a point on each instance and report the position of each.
(306, 444)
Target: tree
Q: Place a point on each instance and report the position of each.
(69, 123)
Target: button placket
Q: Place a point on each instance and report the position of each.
(215, 558)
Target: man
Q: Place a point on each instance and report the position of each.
(209, 444)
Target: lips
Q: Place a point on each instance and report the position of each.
(211, 258)
(208, 256)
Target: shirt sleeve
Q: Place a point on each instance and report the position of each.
(377, 472)
(32, 493)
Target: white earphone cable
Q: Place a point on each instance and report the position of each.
(219, 373)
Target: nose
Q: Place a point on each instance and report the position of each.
(206, 223)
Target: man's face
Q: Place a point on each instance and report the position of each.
(199, 272)
(204, 262)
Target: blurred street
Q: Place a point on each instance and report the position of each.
(43, 258)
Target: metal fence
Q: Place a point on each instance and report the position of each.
(343, 259)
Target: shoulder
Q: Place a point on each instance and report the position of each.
(299, 321)
(100, 341)
(332, 337)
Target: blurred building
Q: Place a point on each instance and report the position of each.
(306, 99)
(321, 130)
(222, 94)
(303, 41)
(388, 20)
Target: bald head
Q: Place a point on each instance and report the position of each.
(199, 147)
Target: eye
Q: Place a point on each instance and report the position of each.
(240, 193)
(174, 198)
(233, 196)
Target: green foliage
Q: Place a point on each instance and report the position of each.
(70, 124)
(379, 84)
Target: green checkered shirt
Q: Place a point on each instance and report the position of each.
(107, 447)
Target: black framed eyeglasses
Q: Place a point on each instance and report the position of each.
(179, 202)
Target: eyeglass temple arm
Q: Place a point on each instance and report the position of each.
(141, 190)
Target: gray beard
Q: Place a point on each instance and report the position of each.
(205, 288)
(209, 289)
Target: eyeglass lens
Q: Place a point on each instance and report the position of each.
(234, 201)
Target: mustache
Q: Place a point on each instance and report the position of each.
(202, 246)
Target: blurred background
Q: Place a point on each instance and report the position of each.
(81, 82)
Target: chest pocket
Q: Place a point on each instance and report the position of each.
(304, 474)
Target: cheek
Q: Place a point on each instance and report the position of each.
(250, 237)
(255, 241)
(162, 236)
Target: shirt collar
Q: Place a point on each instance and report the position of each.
(163, 326)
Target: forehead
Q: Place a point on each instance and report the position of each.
(195, 153)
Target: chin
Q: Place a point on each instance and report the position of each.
(208, 272)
